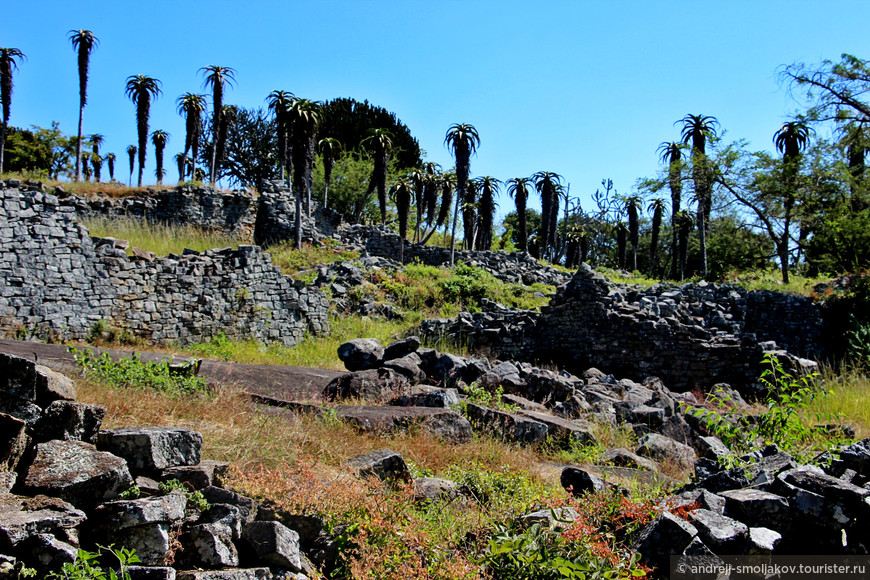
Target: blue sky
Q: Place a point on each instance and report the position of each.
(585, 89)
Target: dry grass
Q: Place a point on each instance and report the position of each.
(162, 239)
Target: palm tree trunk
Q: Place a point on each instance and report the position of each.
(453, 230)
(79, 143)
(2, 146)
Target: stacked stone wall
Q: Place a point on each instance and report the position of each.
(56, 281)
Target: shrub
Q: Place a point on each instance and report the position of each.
(135, 373)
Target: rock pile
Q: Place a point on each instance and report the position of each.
(63, 482)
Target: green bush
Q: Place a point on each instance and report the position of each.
(135, 373)
(86, 566)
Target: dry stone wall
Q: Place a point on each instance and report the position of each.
(56, 281)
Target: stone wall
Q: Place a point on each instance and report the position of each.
(231, 213)
(56, 281)
(688, 336)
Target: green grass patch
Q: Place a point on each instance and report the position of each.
(293, 261)
(133, 373)
(162, 239)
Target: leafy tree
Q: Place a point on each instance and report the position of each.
(517, 188)
(217, 77)
(462, 139)
(191, 106)
(835, 89)
(330, 151)
(8, 64)
(249, 148)
(159, 139)
(697, 129)
(84, 43)
(488, 188)
(37, 150)
(131, 153)
(141, 90)
(110, 160)
(304, 118)
(380, 143)
(351, 122)
(279, 103)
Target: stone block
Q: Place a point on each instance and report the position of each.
(13, 441)
(76, 472)
(69, 420)
(274, 544)
(21, 517)
(209, 546)
(580, 482)
(361, 354)
(509, 427)
(665, 535)
(205, 474)
(150, 449)
(757, 508)
(660, 448)
(384, 464)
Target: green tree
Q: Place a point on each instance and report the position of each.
(84, 43)
(279, 103)
(110, 160)
(547, 184)
(8, 64)
(304, 117)
(517, 188)
(191, 106)
(96, 161)
(248, 155)
(486, 205)
(380, 143)
(141, 90)
(672, 154)
(401, 192)
(463, 140)
(131, 153)
(632, 206)
(229, 116)
(697, 129)
(217, 77)
(656, 207)
(159, 138)
(330, 151)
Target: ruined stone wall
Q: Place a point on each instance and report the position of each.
(514, 267)
(690, 335)
(57, 281)
(232, 213)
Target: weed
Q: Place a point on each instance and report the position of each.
(195, 499)
(87, 567)
(135, 373)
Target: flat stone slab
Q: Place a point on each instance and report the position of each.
(129, 513)
(237, 574)
(76, 472)
(444, 423)
(21, 517)
(149, 449)
(510, 427)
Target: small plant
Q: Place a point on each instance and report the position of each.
(479, 395)
(135, 373)
(86, 565)
(135, 492)
(195, 499)
(858, 340)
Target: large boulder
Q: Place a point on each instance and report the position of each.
(274, 544)
(374, 385)
(509, 427)
(660, 448)
(21, 517)
(384, 464)
(69, 420)
(665, 535)
(401, 348)
(361, 354)
(150, 449)
(76, 472)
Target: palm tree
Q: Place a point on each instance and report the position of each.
(547, 184)
(657, 207)
(672, 154)
(488, 188)
(697, 129)
(131, 152)
(229, 114)
(444, 182)
(279, 102)
(430, 191)
(462, 139)
(621, 237)
(110, 159)
(330, 150)
(684, 227)
(401, 192)
(141, 89)
(84, 43)
(159, 139)
(191, 106)
(632, 204)
(181, 163)
(380, 142)
(418, 181)
(7, 65)
(216, 77)
(518, 190)
(96, 161)
(86, 167)
(304, 118)
(791, 139)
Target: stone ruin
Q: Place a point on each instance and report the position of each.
(56, 282)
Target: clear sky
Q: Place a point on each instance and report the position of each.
(586, 89)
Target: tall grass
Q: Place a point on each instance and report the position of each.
(162, 239)
(848, 393)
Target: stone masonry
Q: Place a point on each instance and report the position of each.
(56, 281)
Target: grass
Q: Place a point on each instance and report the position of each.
(162, 239)
(301, 263)
(848, 392)
(114, 189)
